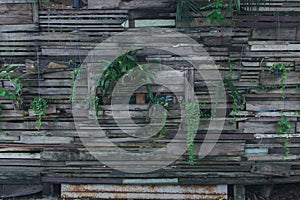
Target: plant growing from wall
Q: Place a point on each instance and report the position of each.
(284, 128)
(217, 100)
(215, 13)
(185, 10)
(280, 70)
(92, 100)
(39, 106)
(192, 118)
(6, 72)
(159, 112)
(121, 68)
(73, 79)
(115, 71)
(216, 9)
(238, 98)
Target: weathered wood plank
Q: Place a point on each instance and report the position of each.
(88, 12)
(135, 4)
(18, 28)
(15, 1)
(227, 149)
(275, 47)
(271, 169)
(272, 105)
(20, 175)
(5, 155)
(239, 192)
(20, 162)
(262, 127)
(27, 139)
(19, 190)
(16, 14)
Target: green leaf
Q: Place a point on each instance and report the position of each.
(150, 93)
(10, 69)
(17, 89)
(6, 94)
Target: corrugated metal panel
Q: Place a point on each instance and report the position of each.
(107, 191)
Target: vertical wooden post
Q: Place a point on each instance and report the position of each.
(47, 189)
(35, 13)
(131, 19)
(239, 192)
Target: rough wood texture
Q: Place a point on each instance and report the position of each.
(135, 4)
(247, 152)
(16, 14)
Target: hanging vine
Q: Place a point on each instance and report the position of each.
(192, 119)
(284, 128)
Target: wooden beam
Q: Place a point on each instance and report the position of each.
(239, 192)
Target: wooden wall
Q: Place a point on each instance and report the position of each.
(248, 151)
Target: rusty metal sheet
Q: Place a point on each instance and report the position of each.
(108, 191)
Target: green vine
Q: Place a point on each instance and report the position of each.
(73, 78)
(284, 128)
(217, 9)
(39, 106)
(192, 118)
(238, 98)
(162, 112)
(6, 72)
(92, 100)
(280, 70)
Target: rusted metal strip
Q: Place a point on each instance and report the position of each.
(106, 191)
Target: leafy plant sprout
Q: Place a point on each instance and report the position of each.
(73, 78)
(217, 9)
(16, 83)
(39, 106)
(192, 118)
(284, 127)
(92, 100)
(163, 112)
(237, 97)
(122, 67)
(280, 70)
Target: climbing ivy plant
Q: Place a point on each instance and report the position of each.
(284, 127)
(192, 118)
(39, 106)
(74, 74)
(238, 98)
(280, 70)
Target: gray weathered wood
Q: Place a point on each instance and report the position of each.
(239, 192)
